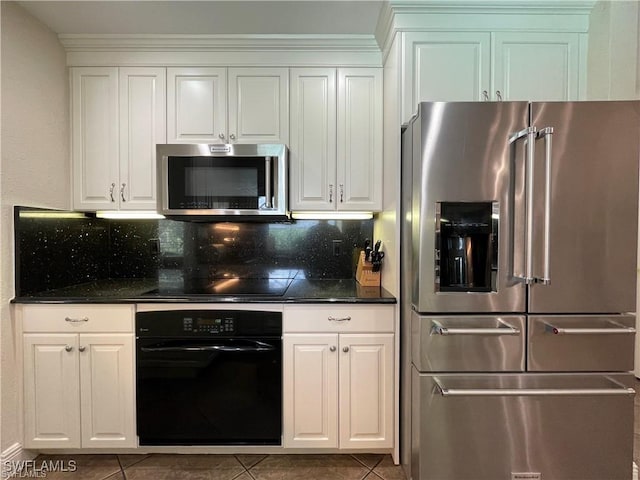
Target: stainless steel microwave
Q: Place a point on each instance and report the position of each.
(215, 182)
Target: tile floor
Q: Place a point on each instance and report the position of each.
(224, 467)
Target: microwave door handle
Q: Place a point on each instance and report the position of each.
(267, 180)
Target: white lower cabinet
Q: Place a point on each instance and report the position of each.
(78, 387)
(338, 387)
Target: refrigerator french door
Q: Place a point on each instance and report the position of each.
(523, 231)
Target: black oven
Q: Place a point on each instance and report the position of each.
(209, 377)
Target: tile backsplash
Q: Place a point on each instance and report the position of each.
(54, 251)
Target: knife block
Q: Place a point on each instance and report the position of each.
(365, 275)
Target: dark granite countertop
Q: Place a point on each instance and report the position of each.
(301, 290)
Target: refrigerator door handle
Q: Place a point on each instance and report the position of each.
(530, 133)
(440, 329)
(528, 392)
(547, 133)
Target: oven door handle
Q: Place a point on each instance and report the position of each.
(259, 347)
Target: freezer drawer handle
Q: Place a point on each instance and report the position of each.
(76, 320)
(440, 329)
(339, 319)
(529, 392)
(549, 328)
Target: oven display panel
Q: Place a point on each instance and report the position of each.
(218, 325)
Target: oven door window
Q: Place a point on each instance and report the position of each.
(216, 183)
(209, 391)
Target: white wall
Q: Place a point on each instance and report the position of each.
(614, 51)
(34, 166)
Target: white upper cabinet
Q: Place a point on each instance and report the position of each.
(142, 126)
(197, 105)
(490, 66)
(446, 66)
(220, 105)
(118, 117)
(536, 66)
(313, 138)
(258, 102)
(94, 110)
(336, 139)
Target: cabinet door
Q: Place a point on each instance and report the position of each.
(366, 390)
(196, 105)
(312, 152)
(310, 379)
(107, 393)
(51, 391)
(259, 105)
(537, 66)
(142, 126)
(94, 130)
(359, 139)
(445, 66)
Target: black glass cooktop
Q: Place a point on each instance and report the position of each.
(274, 283)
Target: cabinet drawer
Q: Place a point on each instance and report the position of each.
(603, 343)
(77, 318)
(338, 318)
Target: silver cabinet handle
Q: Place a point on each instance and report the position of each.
(345, 349)
(68, 348)
(547, 133)
(550, 328)
(498, 95)
(439, 329)
(331, 193)
(332, 348)
(341, 193)
(221, 136)
(530, 133)
(113, 185)
(82, 349)
(76, 320)
(122, 192)
(485, 96)
(232, 136)
(528, 392)
(341, 319)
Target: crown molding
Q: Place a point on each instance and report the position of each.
(212, 43)
(480, 15)
(227, 50)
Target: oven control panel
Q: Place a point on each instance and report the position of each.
(206, 323)
(212, 325)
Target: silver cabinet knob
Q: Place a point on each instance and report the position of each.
(345, 349)
(68, 348)
(232, 136)
(221, 136)
(499, 95)
(341, 193)
(485, 96)
(331, 193)
(82, 349)
(122, 192)
(113, 185)
(332, 348)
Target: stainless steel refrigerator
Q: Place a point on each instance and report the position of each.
(519, 290)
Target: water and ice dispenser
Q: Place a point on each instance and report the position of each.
(466, 246)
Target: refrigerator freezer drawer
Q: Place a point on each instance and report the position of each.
(603, 343)
(494, 427)
(468, 343)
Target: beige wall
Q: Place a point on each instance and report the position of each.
(614, 51)
(34, 165)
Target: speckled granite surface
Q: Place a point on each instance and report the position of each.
(81, 258)
(146, 291)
